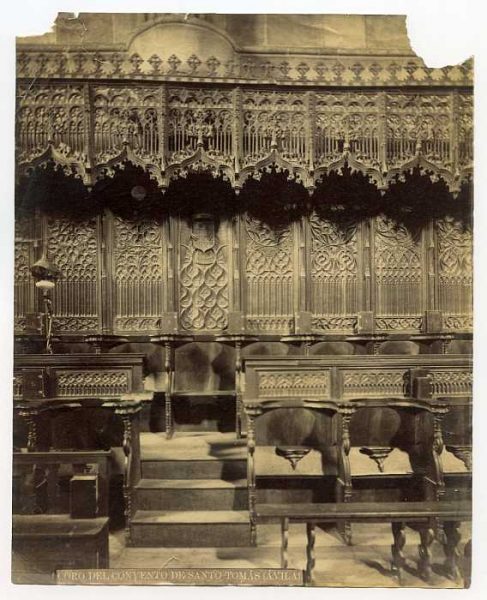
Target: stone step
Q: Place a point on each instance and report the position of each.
(190, 529)
(207, 468)
(191, 494)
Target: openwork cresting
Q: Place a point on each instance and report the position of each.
(91, 127)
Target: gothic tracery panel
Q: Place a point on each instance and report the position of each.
(418, 119)
(351, 118)
(399, 276)
(50, 114)
(126, 115)
(200, 117)
(73, 247)
(465, 129)
(138, 274)
(269, 275)
(334, 274)
(23, 281)
(274, 118)
(455, 273)
(203, 275)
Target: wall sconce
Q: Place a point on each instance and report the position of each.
(45, 274)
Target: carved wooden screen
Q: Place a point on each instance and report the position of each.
(418, 118)
(269, 275)
(126, 115)
(74, 247)
(399, 276)
(455, 272)
(200, 116)
(334, 273)
(278, 118)
(137, 274)
(203, 274)
(23, 281)
(350, 117)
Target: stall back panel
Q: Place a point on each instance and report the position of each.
(334, 275)
(138, 275)
(269, 276)
(74, 247)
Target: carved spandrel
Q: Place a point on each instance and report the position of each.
(138, 274)
(334, 275)
(203, 277)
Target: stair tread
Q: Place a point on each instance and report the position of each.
(192, 446)
(184, 484)
(154, 457)
(190, 516)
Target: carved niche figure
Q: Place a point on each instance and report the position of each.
(203, 302)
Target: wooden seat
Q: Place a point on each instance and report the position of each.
(399, 347)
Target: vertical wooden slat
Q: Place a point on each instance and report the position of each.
(105, 289)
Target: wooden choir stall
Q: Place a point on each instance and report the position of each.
(243, 289)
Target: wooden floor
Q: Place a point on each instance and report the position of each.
(366, 563)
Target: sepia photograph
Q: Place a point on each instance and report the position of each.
(243, 303)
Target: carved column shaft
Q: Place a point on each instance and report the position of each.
(251, 476)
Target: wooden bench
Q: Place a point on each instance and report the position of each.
(50, 531)
(423, 514)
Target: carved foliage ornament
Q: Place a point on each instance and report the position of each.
(297, 384)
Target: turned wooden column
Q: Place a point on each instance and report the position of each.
(129, 411)
(252, 413)
(344, 484)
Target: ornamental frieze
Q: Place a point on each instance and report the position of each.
(348, 71)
